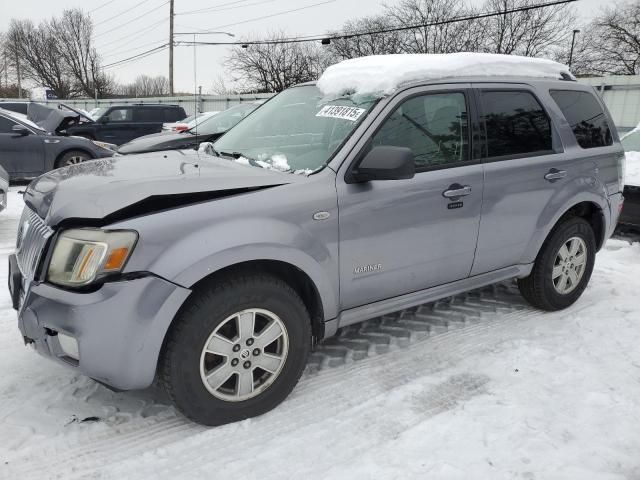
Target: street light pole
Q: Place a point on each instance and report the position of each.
(573, 42)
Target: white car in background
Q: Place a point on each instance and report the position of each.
(188, 122)
(631, 212)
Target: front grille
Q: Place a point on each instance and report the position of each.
(32, 239)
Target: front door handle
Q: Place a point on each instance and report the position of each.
(456, 191)
(555, 174)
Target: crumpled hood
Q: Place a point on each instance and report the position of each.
(101, 189)
(53, 120)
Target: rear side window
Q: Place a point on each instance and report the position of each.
(148, 115)
(516, 124)
(173, 114)
(585, 116)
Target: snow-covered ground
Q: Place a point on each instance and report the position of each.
(478, 386)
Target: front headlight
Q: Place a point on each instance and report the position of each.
(106, 146)
(82, 255)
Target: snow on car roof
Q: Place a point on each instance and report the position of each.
(382, 74)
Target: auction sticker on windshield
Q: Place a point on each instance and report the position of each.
(339, 111)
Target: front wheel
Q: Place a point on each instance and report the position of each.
(563, 267)
(237, 350)
(72, 158)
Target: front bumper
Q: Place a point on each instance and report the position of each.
(119, 329)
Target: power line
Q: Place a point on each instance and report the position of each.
(275, 14)
(136, 34)
(103, 5)
(119, 50)
(121, 13)
(316, 38)
(130, 21)
(138, 56)
(208, 9)
(220, 9)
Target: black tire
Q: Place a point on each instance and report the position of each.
(207, 308)
(72, 157)
(538, 288)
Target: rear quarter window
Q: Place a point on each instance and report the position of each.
(148, 115)
(173, 114)
(585, 116)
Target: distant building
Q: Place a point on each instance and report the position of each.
(621, 94)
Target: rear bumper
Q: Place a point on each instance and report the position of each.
(119, 329)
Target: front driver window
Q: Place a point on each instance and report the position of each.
(120, 115)
(435, 127)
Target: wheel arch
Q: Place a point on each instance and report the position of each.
(295, 277)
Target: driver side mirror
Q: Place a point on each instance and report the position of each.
(384, 163)
(20, 130)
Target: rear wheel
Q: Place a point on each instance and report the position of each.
(237, 350)
(563, 267)
(72, 158)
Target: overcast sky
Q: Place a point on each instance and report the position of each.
(127, 27)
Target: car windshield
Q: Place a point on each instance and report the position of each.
(297, 131)
(223, 121)
(96, 113)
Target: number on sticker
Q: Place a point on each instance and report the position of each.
(339, 111)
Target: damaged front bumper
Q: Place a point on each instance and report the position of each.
(115, 333)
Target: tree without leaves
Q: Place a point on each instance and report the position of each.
(615, 40)
(73, 32)
(374, 44)
(275, 67)
(145, 86)
(39, 55)
(535, 32)
(446, 37)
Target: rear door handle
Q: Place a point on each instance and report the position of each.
(456, 191)
(555, 174)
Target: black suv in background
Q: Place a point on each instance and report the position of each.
(209, 130)
(119, 124)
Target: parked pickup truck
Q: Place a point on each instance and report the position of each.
(392, 182)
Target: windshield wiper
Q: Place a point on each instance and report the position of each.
(238, 155)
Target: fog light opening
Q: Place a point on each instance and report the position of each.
(69, 346)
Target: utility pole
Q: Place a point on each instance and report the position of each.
(6, 71)
(573, 41)
(171, 15)
(19, 78)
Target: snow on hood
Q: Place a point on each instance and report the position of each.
(382, 74)
(277, 162)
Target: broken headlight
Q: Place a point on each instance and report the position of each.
(82, 255)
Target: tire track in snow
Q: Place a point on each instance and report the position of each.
(344, 359)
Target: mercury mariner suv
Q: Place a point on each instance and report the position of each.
(216, 272)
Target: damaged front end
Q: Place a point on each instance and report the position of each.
(56, 120)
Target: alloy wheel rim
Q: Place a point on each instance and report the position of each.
(569, 265)
(244, 355)
(74, 160)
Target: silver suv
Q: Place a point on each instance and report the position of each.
(216, 273)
